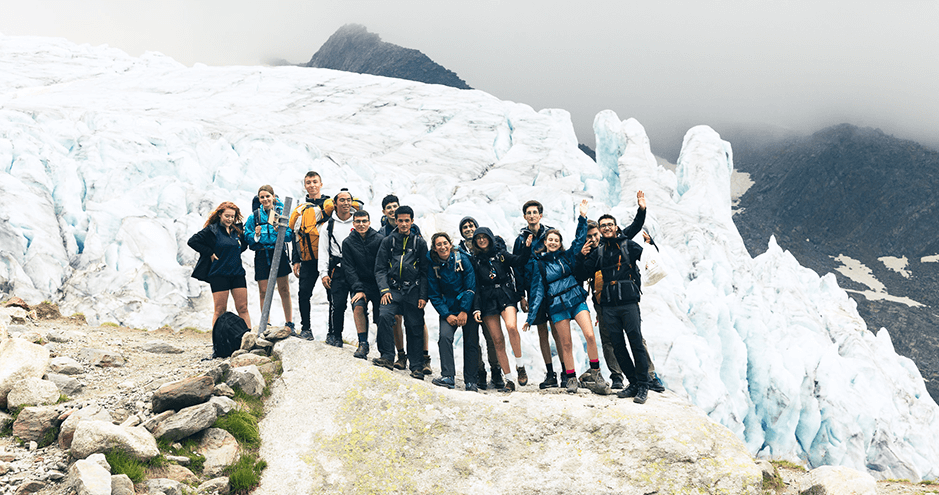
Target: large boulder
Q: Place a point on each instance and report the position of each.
(184, 393)
(838, 480)
(19, 360)
(89, 478)
(33, 392)
(33, 424)
(248, 379)
(187, 422)
(220, 450)
(369, 419)
(92, 437)
(88, 413)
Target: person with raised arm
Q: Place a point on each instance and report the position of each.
(554, 288)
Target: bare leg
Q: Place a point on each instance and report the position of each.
(586, 326)
(240, 295)
(262, 292)
(361, 321)
(498, 340)
(426, 340)
(220, 302)
(509, 315)
(283, 288)
(545, 344)
(563, 329)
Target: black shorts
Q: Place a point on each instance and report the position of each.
(224, 284)
(494, 300)
(262, 264)
(373, 298)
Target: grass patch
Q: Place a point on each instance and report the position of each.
(110, 324)
(928, 482)
(788, 465)
(245, 474)
(62, 398)
(242, 425)
(49, 437)
(122, 463)
(773, 482)
(894, 480)
(254, 405)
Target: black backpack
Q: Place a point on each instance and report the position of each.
(227, 333)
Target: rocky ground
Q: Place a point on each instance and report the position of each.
(140, 363)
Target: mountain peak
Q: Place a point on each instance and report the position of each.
(353, 49)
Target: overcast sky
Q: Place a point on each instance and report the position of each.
(670, 64)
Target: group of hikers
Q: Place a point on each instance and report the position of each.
(475, 284)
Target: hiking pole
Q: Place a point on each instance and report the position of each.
(282, 221)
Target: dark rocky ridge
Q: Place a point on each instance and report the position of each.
(862, 193)
(353, 49)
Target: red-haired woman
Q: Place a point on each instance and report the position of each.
(220, 244)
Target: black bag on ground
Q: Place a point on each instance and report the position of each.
(226, 334)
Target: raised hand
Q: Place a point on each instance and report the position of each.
(641, 199)
(583, 208)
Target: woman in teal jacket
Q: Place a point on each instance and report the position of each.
(262, 238)
(451, 287)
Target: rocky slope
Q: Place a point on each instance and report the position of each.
(864, 194)
(353, 49)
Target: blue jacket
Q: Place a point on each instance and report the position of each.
(522, 274)
(451, 284)
(563, 290)
(268, 237)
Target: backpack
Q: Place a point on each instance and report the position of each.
(633, 288)
(226, 334)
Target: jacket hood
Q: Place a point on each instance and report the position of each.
(467, 219)
(486, 232)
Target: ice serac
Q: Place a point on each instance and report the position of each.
(768, 348)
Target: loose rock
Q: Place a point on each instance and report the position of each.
(35, 423)
(121, 485)
(32, 391)
(248, 379)
(66, 384)
(222, 389)
(90, 413)
(89, 478)
(186, 422)
(223, 405)
(220, 449)
(160, 347)
(249, 359)
(101, 357)
(30, 486)
(276, 333)
(181, 394)
(152, 423)
(248, 340)
(66, 366)
(98, 436)
(20, 360)
(163, 486)
(839, 480)
(215, 486)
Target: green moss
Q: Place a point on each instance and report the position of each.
(929, 482)
(245, 474)
(122, 463)
(110, 324)
(773, 482)
(48, 438)
(242, 425)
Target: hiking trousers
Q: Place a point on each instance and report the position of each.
(338, 296)
(309, 272)
(470, 349)
(413, 328)
(623, 323)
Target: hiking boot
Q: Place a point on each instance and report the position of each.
(617, 380)
(384, 363)
(563, 380)
(585, 377)
(402, 362)
(417, 374)
(292, 327)
(362, 351)
(550, 381)
(572, 385)
(522, 376)
(507, 387)
(337, 342)
(306, 334)
(443, 381)
(472, 387)
(427, 369)
(597, 384)
(482, 380)
(630, 391)
(641, 393)
(497, 381)
(656, 385)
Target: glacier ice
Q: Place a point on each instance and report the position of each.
(108, 163)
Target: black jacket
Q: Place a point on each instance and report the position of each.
(358, 260)
(522, 277)
(582, 273)
(401, 266)
(204, 244)
(615, 258)
(493, 268)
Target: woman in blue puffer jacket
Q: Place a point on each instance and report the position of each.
(262, 238)
(554, 287)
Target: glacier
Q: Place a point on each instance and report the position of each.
(108, 163)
